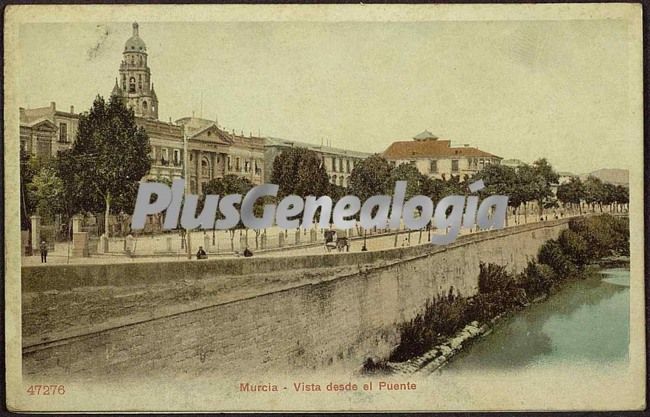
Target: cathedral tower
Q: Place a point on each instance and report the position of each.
(134, 85)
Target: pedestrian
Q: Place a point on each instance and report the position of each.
(200, 254)
(43, 248)
(248, 253)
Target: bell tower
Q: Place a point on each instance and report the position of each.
(134, 83)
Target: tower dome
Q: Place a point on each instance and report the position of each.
(135, 43)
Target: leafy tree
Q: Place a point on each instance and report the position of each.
(572, 192)
(300, 171)
(454, 186)
(410, 174)
(108, 159)
(337, 192)
(27, 172)
(594, 192)
(544, 177)
(370, 177)
(621, 195)
(232, 184)
(500, 180)
(525, 186)
(433, 188)
(47, 192)
(609, 194)
(229, 184)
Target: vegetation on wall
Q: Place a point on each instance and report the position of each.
(558, 260)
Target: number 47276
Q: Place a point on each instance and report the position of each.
(53, 389)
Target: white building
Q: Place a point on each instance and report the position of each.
(436, 158)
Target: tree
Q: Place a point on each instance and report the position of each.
(27, 173)
(525, 186)
(370, 177)
(232, 184)
(300, 171)
(621, 196)
(544, 178)
(594, 192)
(433, 188)
(47, 192)
(108, 159)
(572, 192)
(500, 180)
(409, 173)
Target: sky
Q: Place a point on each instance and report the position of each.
(517, 89)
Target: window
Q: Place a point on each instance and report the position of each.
(164, 159)
(140, 82)
(454, 165)
(205, 168)
(63, 132)
(237, 167)
(433, 168)
(229, 163)
(334, 179)
(177, 157)
(347, 166)
(144, 105)
(132, 85)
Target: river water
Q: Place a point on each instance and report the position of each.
(586, 322)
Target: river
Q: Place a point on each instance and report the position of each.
(586, 322)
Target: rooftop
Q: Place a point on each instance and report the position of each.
(426, 135)
(431, 149)
(285, 143)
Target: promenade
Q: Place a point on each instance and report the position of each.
(153, 248)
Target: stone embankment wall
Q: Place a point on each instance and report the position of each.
(347, 313)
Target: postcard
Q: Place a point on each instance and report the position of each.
(324, 208)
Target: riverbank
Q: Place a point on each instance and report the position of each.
(451, 322)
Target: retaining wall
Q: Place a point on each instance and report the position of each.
(341, 319)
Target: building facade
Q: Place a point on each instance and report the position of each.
(436, 158)
(45, 130)
(212, 151)
(215, 153)
(338, 162)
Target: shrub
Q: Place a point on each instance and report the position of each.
(442, 316)
(493, 278)
(574, 246)
(551, 254)
(536, 279)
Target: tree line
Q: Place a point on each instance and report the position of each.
(110, 156)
